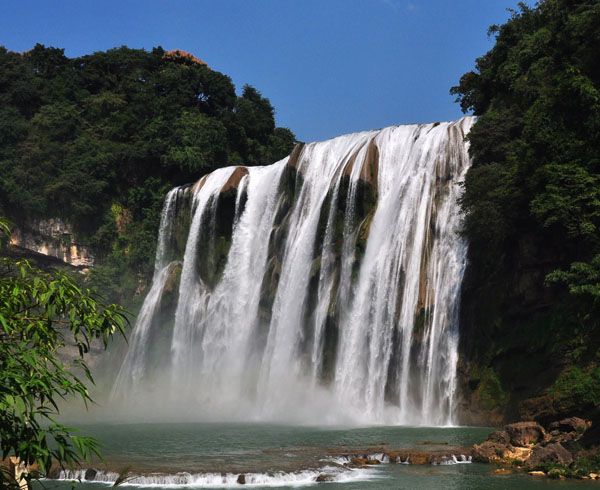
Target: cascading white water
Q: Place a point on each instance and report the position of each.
(323, 288)
(135, 363)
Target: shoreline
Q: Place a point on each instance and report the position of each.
(567, 448)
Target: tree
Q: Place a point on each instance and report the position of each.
(532, 197)
(40, 312)
(78, 136)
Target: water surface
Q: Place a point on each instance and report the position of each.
(202, 455)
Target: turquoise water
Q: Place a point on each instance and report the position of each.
(214, 455)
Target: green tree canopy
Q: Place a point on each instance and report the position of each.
(536, 144)
(79, 136)
(532, 197)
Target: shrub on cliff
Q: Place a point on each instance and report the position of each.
(81, 135)
(40, 312)
(532, 197)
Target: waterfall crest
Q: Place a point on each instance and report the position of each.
(323, 288)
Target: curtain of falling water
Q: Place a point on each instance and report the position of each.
(332, 296)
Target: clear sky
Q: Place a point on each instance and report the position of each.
(329, 67)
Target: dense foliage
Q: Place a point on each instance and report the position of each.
(532, 197)
(98, 140)
(41, 313)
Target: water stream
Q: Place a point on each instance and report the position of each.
(322, 288)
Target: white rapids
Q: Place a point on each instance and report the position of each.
(225, 480)
(337, 298)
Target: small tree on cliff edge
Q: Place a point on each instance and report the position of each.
(39, 312)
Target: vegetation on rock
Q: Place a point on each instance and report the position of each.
(98, 141)
(40, 313)
(531, 299)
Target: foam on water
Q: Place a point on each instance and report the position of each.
(227, 480)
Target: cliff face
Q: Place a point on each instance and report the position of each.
(53, 237)
(525, 353)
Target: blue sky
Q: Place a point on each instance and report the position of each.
(329, 67)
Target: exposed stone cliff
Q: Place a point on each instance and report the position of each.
(53, 237)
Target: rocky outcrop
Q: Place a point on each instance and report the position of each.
(451, 455)
(369, 171)
(53, 237)
(556, 453)
(548, 407)
(234, 180)
(500, 436)
(552, 453)
(179, 55)
(525, 433)
(170, 292)
(571, 424)
(490, 452)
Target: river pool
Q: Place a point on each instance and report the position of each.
(202, 455)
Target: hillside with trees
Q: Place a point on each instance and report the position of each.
(530, 327)
(98, 140)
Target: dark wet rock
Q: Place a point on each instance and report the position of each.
(591, 437)
(562, 437)
(294, 160)
(499, 436)
(442, 459)
(410, 456)
(90, 474)
(552, 453)
(170, 292)
(358, 461)
(324, 477)
(571, 424)
(414, 457)
(525, 433)
(546, 408)
(241, 479)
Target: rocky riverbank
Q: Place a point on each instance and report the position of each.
(434, 454)
(566, 448)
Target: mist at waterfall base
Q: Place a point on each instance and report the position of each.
(320, 290)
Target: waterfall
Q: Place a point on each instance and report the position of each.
(321, 289)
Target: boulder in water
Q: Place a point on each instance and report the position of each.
(90, 474)
(324, 477)
(537, 473)
(358, 462)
